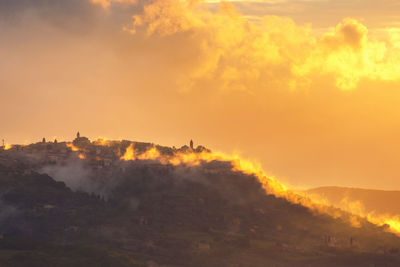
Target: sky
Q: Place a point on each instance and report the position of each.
(309, 88)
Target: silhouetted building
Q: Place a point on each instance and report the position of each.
(200, 149)
(44, 140)
(191, 144)
(81, 141)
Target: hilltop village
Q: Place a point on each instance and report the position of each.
(98, 154)
(81, 203)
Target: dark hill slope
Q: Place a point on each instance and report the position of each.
(175, 216)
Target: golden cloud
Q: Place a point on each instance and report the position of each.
(239, 54)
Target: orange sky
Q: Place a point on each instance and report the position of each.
(308, 88)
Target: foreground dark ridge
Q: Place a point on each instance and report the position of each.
(113, 213)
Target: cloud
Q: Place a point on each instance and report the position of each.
(324, 13)
(225, 49)
(235, 53)
(350, 54)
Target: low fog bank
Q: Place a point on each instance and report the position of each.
(141, 176)
(75, 175)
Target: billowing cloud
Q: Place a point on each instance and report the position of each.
(236, 52)
(350, 54)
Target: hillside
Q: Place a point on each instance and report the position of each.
(67, 211)
(378, 201)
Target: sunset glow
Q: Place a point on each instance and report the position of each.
(200, 133)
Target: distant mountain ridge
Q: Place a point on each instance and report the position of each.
(379, 201)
